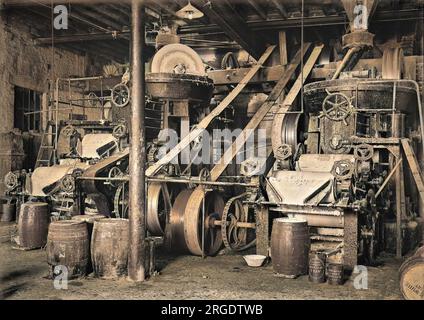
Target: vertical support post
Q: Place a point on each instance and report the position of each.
(262, 231)
(137, 252)
(398, 189)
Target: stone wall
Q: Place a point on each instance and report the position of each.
(24, 64)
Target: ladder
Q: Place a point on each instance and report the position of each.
(47, 146)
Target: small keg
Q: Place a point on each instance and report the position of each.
(8, 211)
(335, 273)
(317, 267)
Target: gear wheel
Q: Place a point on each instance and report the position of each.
(232, 237)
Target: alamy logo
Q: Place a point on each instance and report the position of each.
(60, 21)
(60, 277)
(361, 17)
(361, 280)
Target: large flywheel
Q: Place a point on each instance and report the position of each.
(174, 231)
(188, 229)
(159, 203)
(212, 205)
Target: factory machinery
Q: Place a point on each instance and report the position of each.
(335, 156)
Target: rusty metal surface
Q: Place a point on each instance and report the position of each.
(370, 94)
(179, 86)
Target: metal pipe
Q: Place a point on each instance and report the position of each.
(137, 214)
(345, 61)
(200, 182)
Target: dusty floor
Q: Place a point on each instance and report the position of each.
(223, 277)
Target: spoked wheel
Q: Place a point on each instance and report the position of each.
(212, 204)
(237, 225)
(121, 201)
(159, 203)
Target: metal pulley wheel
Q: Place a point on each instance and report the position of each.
(177, 58)
(235, 224)
(212, 205)
(174, 231)
(121, 201)
(120, 95)
(184, 231)
(287, 129)
(393, 64)
(114, 173)
(159, 204)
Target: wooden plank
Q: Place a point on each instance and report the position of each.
(283, 47)
(238, 144)
(414, 166)
(185, 142)
(262, 231)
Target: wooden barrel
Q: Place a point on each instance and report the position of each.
(290, 247)
(109, 248)
(412, 276)
(317, 267)
(67, 245)
(9, 212)
(33, 225)
(335, 273)
(89, 220)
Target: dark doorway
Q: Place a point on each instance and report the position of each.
(27, 118)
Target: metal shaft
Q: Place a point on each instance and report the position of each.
(137, 254)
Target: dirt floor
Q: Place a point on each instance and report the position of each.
(22, 276)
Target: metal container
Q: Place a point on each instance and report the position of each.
(68, 245)
(179, 86)
(33, 225)
(9, 212)
(335, 273)
(290, 247)
(317, 267)
(109, 248)
(412, 276)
